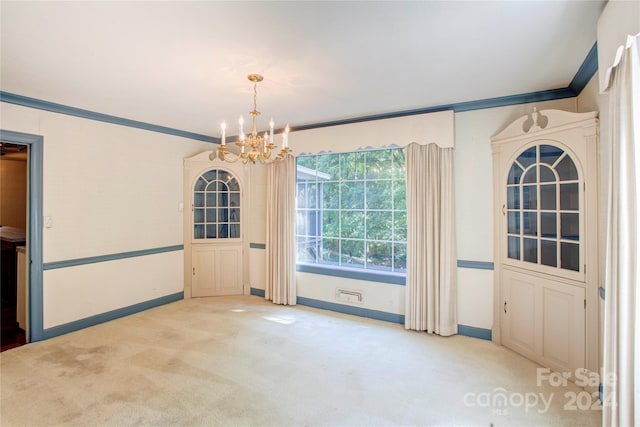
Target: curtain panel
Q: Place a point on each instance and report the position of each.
(621, 380)
(280, 240)
(431, 255)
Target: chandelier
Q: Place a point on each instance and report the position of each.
(253, 147)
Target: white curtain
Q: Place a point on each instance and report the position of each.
(280, 242)
(621, 378)
(431, 255)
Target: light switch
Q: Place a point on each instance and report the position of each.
(48, 222)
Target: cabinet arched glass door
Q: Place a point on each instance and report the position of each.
(543, 210)
(216, 206)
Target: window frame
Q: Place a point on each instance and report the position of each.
(396, 275)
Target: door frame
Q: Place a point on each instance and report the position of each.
(526, 130)
(34, 228)
(194, 167)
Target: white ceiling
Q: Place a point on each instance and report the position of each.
(184, 64)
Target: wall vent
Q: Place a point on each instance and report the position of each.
(348, 295)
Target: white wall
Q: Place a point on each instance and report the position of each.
(108, 189)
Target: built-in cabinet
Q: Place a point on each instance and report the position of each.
(545, 243)
(215, 248)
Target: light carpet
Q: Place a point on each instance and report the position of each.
(233, 361)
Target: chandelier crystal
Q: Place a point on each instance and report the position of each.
(253, 147)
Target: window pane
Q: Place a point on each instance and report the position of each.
(546, 174)
(529, 197)
(353, 225)
(569, 226)
(352, 194)
(379, 255)
(530, 223)
(234, 199)
(233, 185)
(570, 256)
(211, 231)
(223, 215)
(223, 186)
(569, 197)
(223, 176)
(400, 226)
(198, 215)
(530, 250)
(548, 226)
(211, 215)
(548, 253)
(201, 184)
(308, 162)
(400, 257)
(549, 154)
(234, 231)
(513, 222)
(306, 224)
(198, 200)
(398, 164)
(212, 199)
(567, 169)
(513, 197)
(379, 226)
(531, 177)
(223, 199)
(548, 197)
(352, 253)
(378, 164)
(513, 247)
(329, 164)
(514, 174)
(223, 231)
(379, 195)
(331, 224)
(234, 215)
(528, 157)
(352, 166)
(307, 249)
(331, 250)
(399, 195)
(198, 231)
(210, 175)
(331, 195)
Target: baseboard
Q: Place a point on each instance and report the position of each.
(472, 331)
(349, 309)
(110, 315)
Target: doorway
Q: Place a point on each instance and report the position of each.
(14, 173)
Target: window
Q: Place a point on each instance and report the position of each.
(216, 206)
(351, 210)
(543, 198)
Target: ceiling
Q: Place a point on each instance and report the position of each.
(184, 64)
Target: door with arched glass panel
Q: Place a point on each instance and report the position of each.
(545, 239)
(216, 234)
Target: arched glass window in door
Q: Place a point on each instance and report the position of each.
(216, 206)
(543, 201)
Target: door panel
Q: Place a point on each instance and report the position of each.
(544, 320)
(216, 270)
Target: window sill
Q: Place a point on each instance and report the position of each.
(351, 273)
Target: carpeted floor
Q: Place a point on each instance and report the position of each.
(232, 361)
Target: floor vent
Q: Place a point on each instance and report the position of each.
(348, 295)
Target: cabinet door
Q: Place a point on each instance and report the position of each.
(216, 270)
(544, 320)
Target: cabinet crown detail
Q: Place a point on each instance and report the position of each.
(544, 121)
